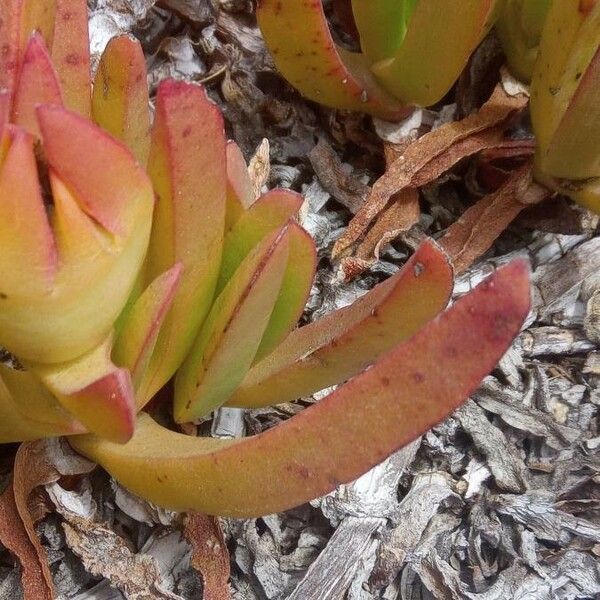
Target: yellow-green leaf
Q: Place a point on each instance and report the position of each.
(343, 343)
(231, 334)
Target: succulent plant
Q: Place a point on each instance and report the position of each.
(519, 28)
(107, 295)
(412, 51)
(76, 217)
(565, 108)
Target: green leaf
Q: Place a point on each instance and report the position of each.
(382, 25)
(269, 213)
(141, 325)
(231, 334)
(295, 289)
(441, 36)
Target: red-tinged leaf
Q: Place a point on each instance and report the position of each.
(230, 336)
(574, 151)
(240, 191)
(71, 54)
(188, 168)
(28, 259)
(408, 391)
(95, 391)
(311, 62)
(345, 342)
(100, 171)
(38, 84)
(120, 102)
(441, 36)
(54, 309)
(295, 289)
(10, 34)
(269, 213)
(141, 326)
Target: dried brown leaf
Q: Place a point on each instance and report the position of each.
(397, 218)
(347, 189)
(259, 167)
(210, 556)
(477, 229)
(431, 155)
(36, 463)
(35, 576)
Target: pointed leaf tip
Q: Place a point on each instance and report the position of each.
(28, 260)
(120, 100)
(100, 171)
(37, 84)
(336, 347)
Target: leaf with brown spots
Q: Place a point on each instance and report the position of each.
(71, 54)
(406, 392)
(311, 61)
(120, 95)
(345, 342)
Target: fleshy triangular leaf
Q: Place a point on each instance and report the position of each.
(29, 411)
(410, 389)
(382, 25)
(187, 166)
(28, 259)
(270, 212)
(312, 62)
(120, 101)
(295, 289)
(574, 152)
(38, 84)
(95, 391)
(231, 334)
(569, 41)
(345, 342)
(98, 169)
(140, 328)
(240, 193)
(441, 36)
(71, 54)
